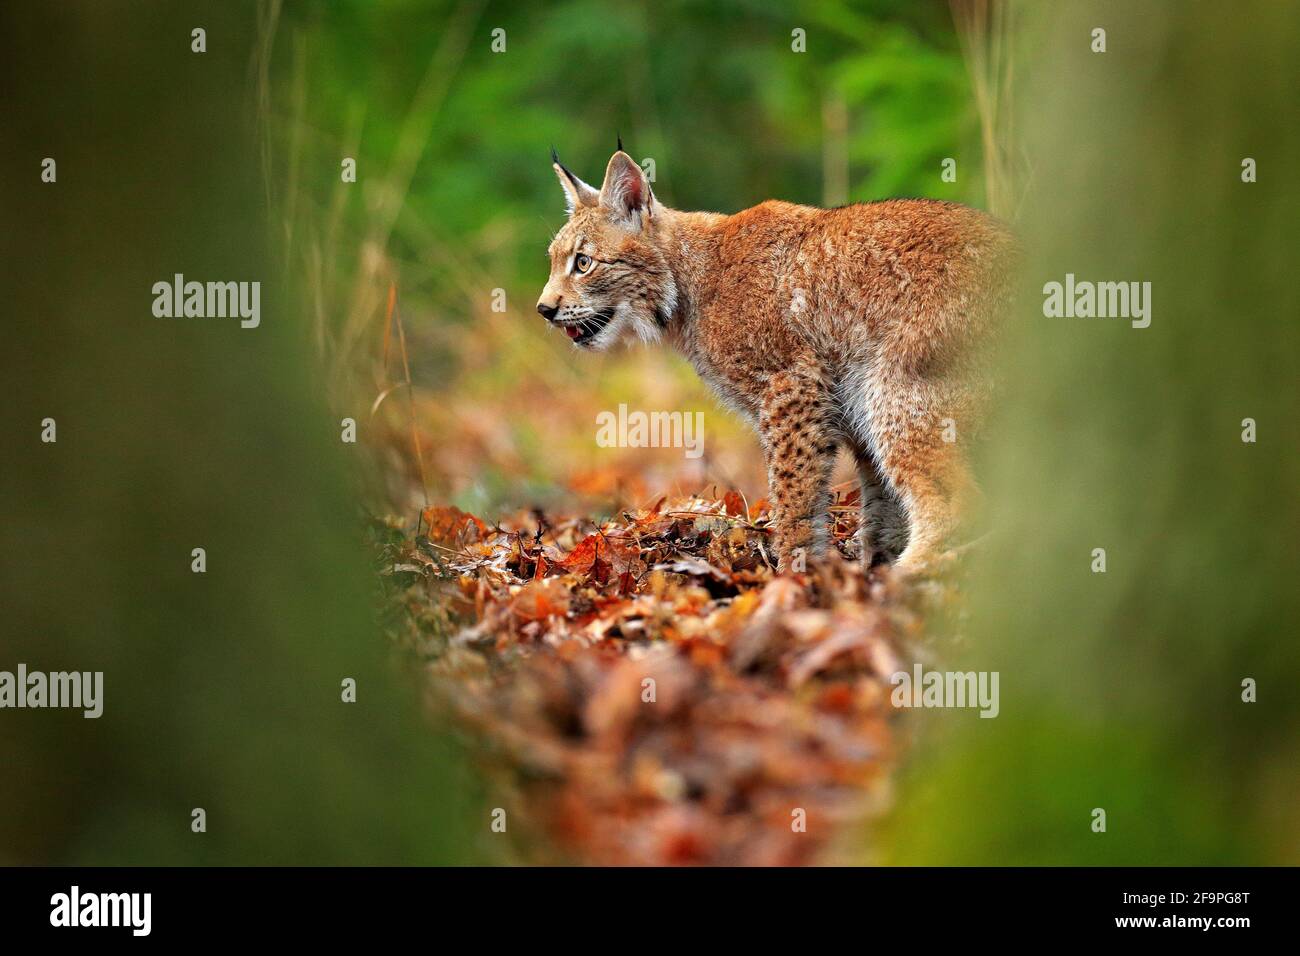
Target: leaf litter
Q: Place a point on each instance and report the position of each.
(646, 690)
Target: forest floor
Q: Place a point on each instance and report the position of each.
(646, 690)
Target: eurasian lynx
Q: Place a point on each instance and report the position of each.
(854, 326)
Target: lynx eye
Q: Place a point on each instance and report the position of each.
(583, 263)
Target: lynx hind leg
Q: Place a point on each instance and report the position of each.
(800, 448)
(916, 427)
(883, 527)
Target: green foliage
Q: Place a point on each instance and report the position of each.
(712, 92)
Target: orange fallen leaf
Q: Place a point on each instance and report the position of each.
(540, 599)
(596, 549)
(448, 524)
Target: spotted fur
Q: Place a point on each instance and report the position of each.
(855, 327)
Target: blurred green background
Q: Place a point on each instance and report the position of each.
(1120, 691)
(222, 690)
(1123, 690)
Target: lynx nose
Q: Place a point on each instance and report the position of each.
(547, 311)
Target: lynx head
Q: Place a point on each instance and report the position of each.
(609, 280)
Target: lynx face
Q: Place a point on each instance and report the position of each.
(609, 281)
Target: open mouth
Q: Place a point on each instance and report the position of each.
(584, 330)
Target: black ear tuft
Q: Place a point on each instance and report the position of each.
(555, 158)
(620, 142)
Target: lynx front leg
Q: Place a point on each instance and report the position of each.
(800, 450)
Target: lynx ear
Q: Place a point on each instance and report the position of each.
(576, 192)
(626, 192)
